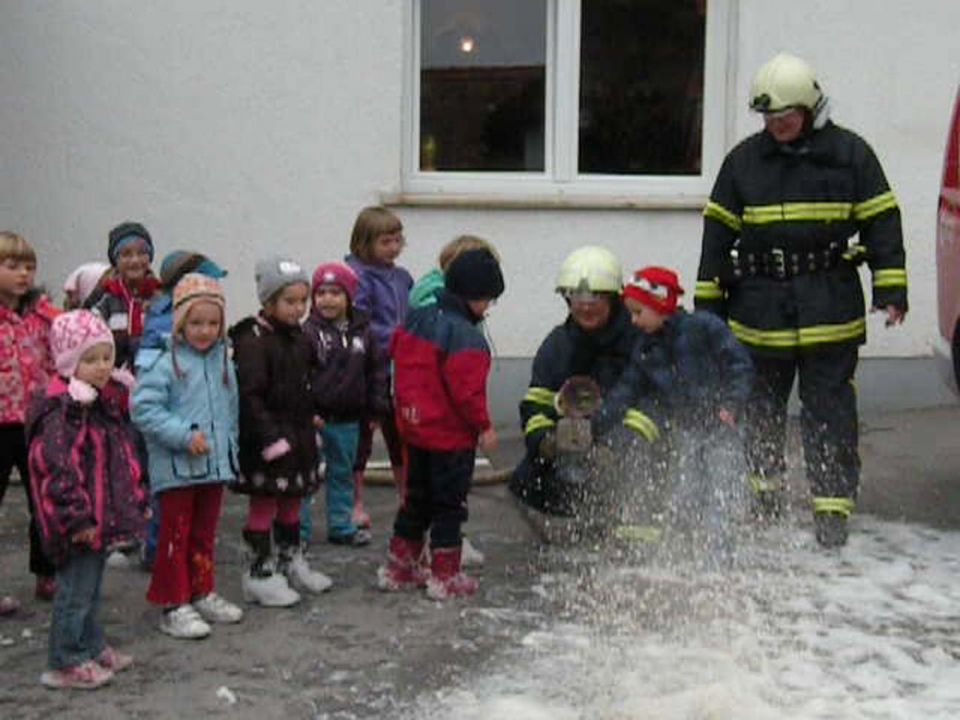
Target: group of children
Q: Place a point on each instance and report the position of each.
(127, 416)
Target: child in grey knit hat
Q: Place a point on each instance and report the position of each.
(278, 450)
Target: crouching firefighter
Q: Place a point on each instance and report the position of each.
(559, 472)
(779, 262)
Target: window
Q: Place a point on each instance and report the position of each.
(562, 98)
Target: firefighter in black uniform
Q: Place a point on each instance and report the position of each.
(795, 209)
(595, 341)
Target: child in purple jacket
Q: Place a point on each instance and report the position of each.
(384, 287)
(85, 478)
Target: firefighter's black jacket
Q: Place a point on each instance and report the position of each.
(778, 260)
(568, 351)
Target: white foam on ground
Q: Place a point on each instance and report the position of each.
(865, 633)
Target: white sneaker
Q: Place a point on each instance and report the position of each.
(469, 555)
(184, 622)
(214, 608)
(298, 571)
(270, 591)
(117, 560)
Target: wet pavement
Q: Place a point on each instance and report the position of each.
(789, 631)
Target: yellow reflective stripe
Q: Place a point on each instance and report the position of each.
(760, 484)
(537, 422)
(874, 206)
(768, 338)
(796, 212)
(838, 505)
(833, 333)
(718, 212)
(889, 278)
(640, 423)
(539, 396)
(708, 290)
(801, 337)
(638, 533)
(855, 252)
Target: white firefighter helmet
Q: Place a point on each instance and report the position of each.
(785, 82)
(590, 269)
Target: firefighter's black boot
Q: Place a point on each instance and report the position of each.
(830, 529)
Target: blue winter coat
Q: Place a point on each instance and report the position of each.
(157, 326)
(167, 408)
(682, 375)
(383, 294)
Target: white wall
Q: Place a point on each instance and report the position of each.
(233, 126)
(242, 127)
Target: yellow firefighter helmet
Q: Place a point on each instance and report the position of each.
(590, 269)
(785, 82)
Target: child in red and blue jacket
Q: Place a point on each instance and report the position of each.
(441, 361)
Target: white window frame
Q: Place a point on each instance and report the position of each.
(559, 183)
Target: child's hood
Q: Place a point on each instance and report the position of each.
(34, 301)
(112, 398)
(257, 326)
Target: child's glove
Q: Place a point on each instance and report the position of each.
(276, 450)
(82, 392)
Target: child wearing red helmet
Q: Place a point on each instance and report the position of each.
(695, 374)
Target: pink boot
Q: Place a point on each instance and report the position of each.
(446, 578)
(360, 516)
(403, 570)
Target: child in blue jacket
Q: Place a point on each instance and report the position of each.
(688, 378)
(186, 405)
(157, 329)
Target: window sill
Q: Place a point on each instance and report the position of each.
(491, 201)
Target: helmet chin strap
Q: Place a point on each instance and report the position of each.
(821, 113)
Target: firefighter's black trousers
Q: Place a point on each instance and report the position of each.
(828, 418)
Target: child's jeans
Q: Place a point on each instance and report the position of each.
(76, 634)
(152, 532)
(339, 450)
(183, 568)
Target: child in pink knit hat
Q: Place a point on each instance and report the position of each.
(85, 478)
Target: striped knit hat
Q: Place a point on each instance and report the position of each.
(194, 288)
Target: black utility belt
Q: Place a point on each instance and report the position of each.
(782, 264)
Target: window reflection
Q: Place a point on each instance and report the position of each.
(641, 86)
(482, 84)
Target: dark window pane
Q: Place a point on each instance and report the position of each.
(641, 86)
(482, 84)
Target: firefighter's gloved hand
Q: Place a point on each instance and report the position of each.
(548, 445)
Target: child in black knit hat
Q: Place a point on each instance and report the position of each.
(122, 299)
(441, 361)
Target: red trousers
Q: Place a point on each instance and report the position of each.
(183, 568)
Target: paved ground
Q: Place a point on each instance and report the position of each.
(358, 653)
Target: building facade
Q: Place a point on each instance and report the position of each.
(239, 128)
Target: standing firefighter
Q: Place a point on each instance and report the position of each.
(795, 209)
